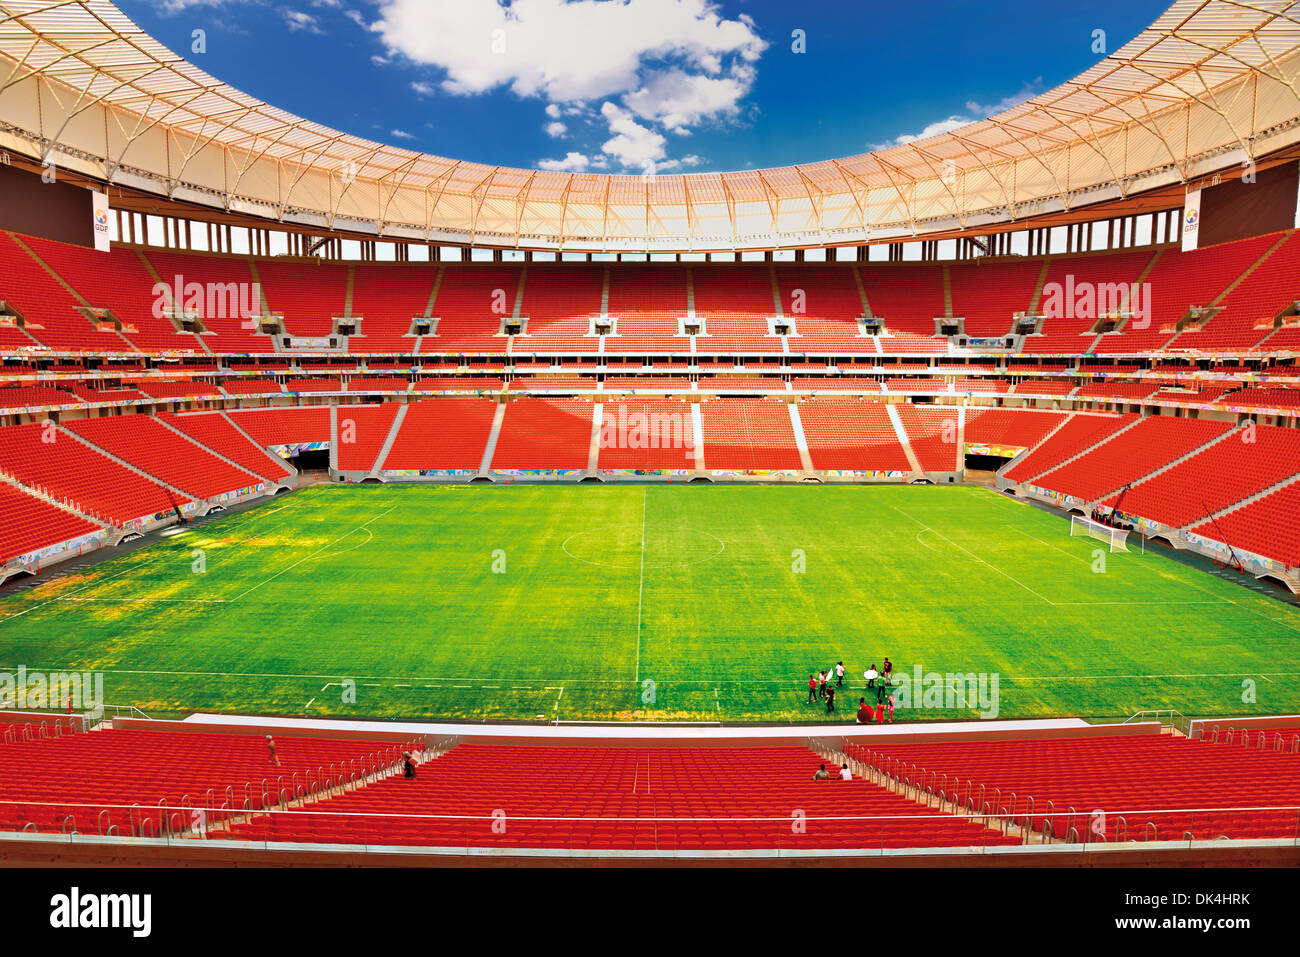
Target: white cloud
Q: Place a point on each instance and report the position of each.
(633, 144)
(298, 20)
(556, 129)
(572, 163)
(934, 129)
(679, 100)
(975, 111)
(424, 89)
(401, 134)
(561, 50)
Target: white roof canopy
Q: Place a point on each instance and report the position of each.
(1210, 84)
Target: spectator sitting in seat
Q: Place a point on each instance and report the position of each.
(845, 775)
(408, 766)
(822, 774)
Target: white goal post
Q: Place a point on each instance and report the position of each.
(1116, 537)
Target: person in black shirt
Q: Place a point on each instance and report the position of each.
(830, 699)
(408, 766)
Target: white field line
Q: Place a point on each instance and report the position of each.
(974, 556)
(640, 590)
(361, 527)
(372, 681)
(98, 581)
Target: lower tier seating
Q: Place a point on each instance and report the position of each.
(1178, 786)
(622, 798)
(90, 781)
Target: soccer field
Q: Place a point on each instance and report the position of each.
(648, 603)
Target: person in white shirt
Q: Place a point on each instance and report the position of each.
(844, 773)
(839, 674)
(871, 674)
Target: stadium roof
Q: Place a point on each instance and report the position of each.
(1212, 83)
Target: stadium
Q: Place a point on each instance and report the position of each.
(365, 506)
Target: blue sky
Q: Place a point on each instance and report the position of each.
(630, 85)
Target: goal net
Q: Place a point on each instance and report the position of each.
(1117, 538)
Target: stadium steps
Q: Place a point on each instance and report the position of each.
(211, 451)
(157, 278)
(187, 496)
(1142, 277)
(1065, 420)
(903, 439)
(417, 346)
(1245, 274)
(490, 449)
(393, 429)
(800, 440)
(1248, 500)
(1167, 466)
(51, 500)
(47, 268)
(943, 803)
(1036, 299)
(269, 454)
(316, 794)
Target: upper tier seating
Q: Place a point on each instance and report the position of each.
(1069, 314)
(228, 313)
(49, 309)
(988, 294)
(908, 298)
(118, 281)
(647, 300)
(735, 304)
(472, 300)
(744, 434)
(59, 465)
(733, 300)
(1249, 310)
(621, 797)
(309, 295)
(1179, 281)
(560, 303)
(387, 297)
(824, 304)
(150, 446)
(1133, 777)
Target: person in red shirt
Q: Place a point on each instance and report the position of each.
(880, 713)
(812, 689)
(864, 711)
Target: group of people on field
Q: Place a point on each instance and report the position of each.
(823, 686)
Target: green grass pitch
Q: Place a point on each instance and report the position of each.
(564, 601)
